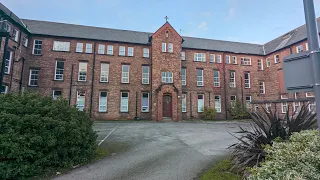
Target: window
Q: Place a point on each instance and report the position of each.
(309, 94)
(25, 41)
(56, 94)
(145, 102)
(262, 89)
(219, 58)
(284, 105)
(268, 62)
(307, 47)
(103, 101)
(81, 98)
(110, 50)
(276, 58)
(212, 58)
(183, 76)
(234, 59)
(184, 102)
(164, 47)
(200, 102)
(61, 46)
(216, 78)
(37, 47)
(166, 77)
(79, 48)
(245, 61)
(201, 57)
(4, 89)
(58, 75)
(296, 95)
(233, 100)
(145, 52)
(101, 48)
(247, 80)
(7, 63)
(15, 35)
(248, 102)
(122, 51)
(124, 102)
(125, 74)
(232, 80)
(199, 77)
(104, 74)
(130, 51)
(268, 107)
(299, 48)
(88, 48)
(256, 108)
(33, 77)
(217, 103)
(227, 59)
(170, 47)
(82, 76)
(312, 107)
(145, 74)
(7, 26)
(260, 64)
(183, 56)
(296, 106)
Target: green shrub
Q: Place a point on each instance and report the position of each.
(209, 113)
(38, 133)
(298, 158)
(237, 111)
(221, 171)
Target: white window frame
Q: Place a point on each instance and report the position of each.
(199, 57)
(232, 102)
(81, 94)
(34, 79)
(212, 58)
(248, 102)
(284, 107)
(307, 94)
(247, 82)
(79, 48)
(232, 80)
(110, 50)
(80, 76)
(184, 103)
(183, 56)
(145, 75)
(59, 70)
(268, 62)
(5, 89)
(39, 48)
(8, 62)
(219, 60)
(166, 77)
(54, 96)
(145, 108)
(88, 48)
(260, 64)
(15, 35)
(61, 46)
(104, 73)
(125, 75)
(170, 47)
(122, 51)
(216, 80)
(103, 106)
(145, 52)
(164, 47)
(267, 107)
(312, 107)
(234, 60)
(217, 103)
(299, 48)
(130, 51)
(200, 81)
(25, 41)
(183, 76)
(245, 61)
(296, 106)
(7, 26)
(200, 104)
(101, 48)
(124, 107)
(228, 59)
(307, 46)
(276, 60)
(262, 87)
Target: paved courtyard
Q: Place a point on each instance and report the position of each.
(157, 151)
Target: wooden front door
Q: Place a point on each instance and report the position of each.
(167, 106)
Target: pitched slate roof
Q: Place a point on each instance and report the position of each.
(14, 17)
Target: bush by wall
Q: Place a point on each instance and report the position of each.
(38, 133)
(237, 111)
(209, 113)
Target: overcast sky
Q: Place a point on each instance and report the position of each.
(254, 21)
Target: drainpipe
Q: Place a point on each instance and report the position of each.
(136, 117)
(3, 60)
(21, 75)
(209, 100)
(150, 83)
(225, 85)
(191, 117)
(92, 83)
(71, 81)
(242, 91)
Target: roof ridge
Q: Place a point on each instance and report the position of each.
(223, 40)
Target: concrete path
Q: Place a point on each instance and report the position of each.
(157, 151)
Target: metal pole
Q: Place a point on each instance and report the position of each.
(313, 42)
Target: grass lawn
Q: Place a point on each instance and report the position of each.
(220, 171)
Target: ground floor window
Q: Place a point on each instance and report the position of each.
(184, 102)
(103, 101)
(217, 103)
(268, 107)
(284, 107)
(124, 104)
(200, 102)
(4, 89)
(56, 94)
(296, 106)
(248, 102)
(233, 100)
(81, 97)
(145, 102)
(312, 107)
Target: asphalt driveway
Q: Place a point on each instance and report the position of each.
(157, 151)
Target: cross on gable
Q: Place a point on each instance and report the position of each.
(166, 18)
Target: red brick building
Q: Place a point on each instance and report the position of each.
(120, 74)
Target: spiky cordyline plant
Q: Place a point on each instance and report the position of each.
(267, 126)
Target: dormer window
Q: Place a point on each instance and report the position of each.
(167, 34)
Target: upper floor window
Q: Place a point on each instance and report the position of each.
(245, 61)
(37, 47)
(164, 47)
(260, 64)
(299, 48)
(276, 58)
(25, 41)
(166, 77)
(212, 58)
(234, 59)
(110, 50)
(7, 26)
(145, 52)
(200, 57)
(88, 48)
(125, 73)
(227, 59)
(183, 56)
(58, 75)
(170, 47)
(219, 58)
(268, 62)
(15, 35)
(307, 47)
(232, 79)
(199, 77)
(82, 76)
(130, 51)
(8, 60)
(247, 80)
(61, 46)
(122, 51)
(79, 47)
(104, 74)
(33, 77)
(183, 76)
(145, 74)
(262, 88)
(216, 78)
(101, 49)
